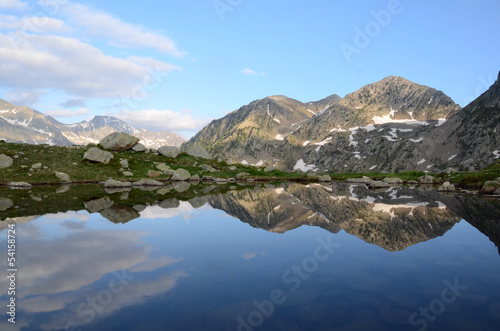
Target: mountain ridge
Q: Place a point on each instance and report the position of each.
(361, 132)
(27, 125)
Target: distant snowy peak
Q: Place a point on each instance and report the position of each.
(26, 125)
(100, 126)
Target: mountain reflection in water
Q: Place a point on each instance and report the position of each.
(93, 259)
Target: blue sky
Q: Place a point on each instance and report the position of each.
(175, 65)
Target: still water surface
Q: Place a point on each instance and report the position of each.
(283, 257)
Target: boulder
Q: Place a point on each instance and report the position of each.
(162, 167)
(232, 168)
(6, 203)
(147, 182)
(412, 182)
(116, 183)
(120, 214)
(169, 203)
(96, 155)
(19, 184)
(169, 151)
(153, 173)
(358, 180)
(180, 174)
(124, 164)
(169, 172)
(446, 187)
(207, 168)
(325, 178)
(139, 148)
(242, 175)
(119, 141)
(63, 177)
(94, 206)
(140, 208)
(198, 151)
(269, 169)
(220, 180)
(207, 178)
(490, 187)
(63, 189)
(393, 181)
(427, 179)
(195, 178)
(378, 184)
(181, 186)
(5, 161)
(113, 190)
(37, 166)
(128, 174)
(198, 202)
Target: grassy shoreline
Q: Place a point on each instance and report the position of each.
(70, 160)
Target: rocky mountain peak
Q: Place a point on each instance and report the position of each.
(401, 98)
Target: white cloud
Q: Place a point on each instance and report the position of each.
(250, 72)
(12, 4)
(161, 120)
(103, 25)
(22, 97)
(72, 103)
(66, 64)
(67, 113)
(35, 24)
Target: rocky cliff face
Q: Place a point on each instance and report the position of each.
(23, 124)
(474, 133)
(391, 125)
(253, 133)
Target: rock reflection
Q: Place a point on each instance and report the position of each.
(393, 219)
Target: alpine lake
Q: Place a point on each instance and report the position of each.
(266, 256)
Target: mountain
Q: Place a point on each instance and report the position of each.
(377, 127)
(470, 140)
(392, 125)
(253, 133)
(24, 124)
(100, 126)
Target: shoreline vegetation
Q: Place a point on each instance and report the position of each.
(55, 165)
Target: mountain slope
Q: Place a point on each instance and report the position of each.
(100, 126)
(474, 133)
(374, 128)
(23, 124)
(253, 133)
(377, 127)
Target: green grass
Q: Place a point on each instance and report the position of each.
(405, 176)
(477, 179)
(70, 161)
